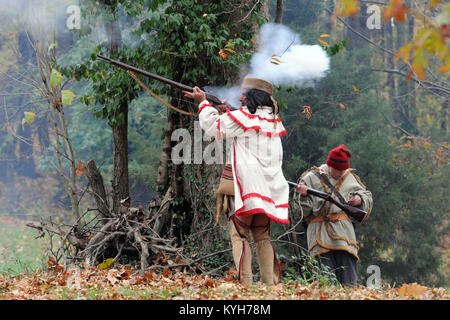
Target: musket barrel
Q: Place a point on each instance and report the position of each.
(313, 192)
(172, 83)
(292, 184)
(356, 213)
(146, 73)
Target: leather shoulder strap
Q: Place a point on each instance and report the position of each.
(329, 185)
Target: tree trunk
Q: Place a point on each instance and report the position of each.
(403, 110)
(121, 188)
(445, 116)
(329, 14)
(279, 12)
(411, 84)
(163, 169)
(357, 23)
(390, 61)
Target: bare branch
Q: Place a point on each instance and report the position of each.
(434, 88)
(440, 90)
(250, 12)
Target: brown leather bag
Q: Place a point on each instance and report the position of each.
(226, 185)
(226, 188)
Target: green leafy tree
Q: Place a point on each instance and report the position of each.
(184, 41)
(112, 89)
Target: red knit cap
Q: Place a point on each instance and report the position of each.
(338, 158)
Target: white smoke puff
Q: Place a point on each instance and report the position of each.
(300, 64)
(231, 95)
(40, 19)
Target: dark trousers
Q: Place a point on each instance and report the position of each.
(342, 264)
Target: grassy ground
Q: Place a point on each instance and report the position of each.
(19, 250)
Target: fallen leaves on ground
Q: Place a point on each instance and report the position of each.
(123, 283)
(412, 290)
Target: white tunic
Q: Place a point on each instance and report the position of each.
(256, 158)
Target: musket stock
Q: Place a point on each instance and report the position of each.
(354, 212)
(211, 98)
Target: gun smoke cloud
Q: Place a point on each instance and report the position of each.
(300, 65)
(39, 18)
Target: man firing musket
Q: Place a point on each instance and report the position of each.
(254, 178)
(260, 190)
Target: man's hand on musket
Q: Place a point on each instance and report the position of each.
(355, 201)
(222, 107)
(302, 189)
(197, 94)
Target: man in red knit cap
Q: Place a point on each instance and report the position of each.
(330, 233)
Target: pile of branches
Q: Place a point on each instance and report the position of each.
(128, 233)
(133, 234)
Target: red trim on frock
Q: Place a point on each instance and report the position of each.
(266, 133)
(257, 195)
(254, 116)
(242, 212)
(203, 107)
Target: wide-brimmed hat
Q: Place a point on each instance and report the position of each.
(259, 84)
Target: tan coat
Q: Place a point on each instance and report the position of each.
(324, 236)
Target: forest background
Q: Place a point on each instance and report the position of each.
(396, 124)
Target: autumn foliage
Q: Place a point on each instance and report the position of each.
(430, 40)
(122, 282)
